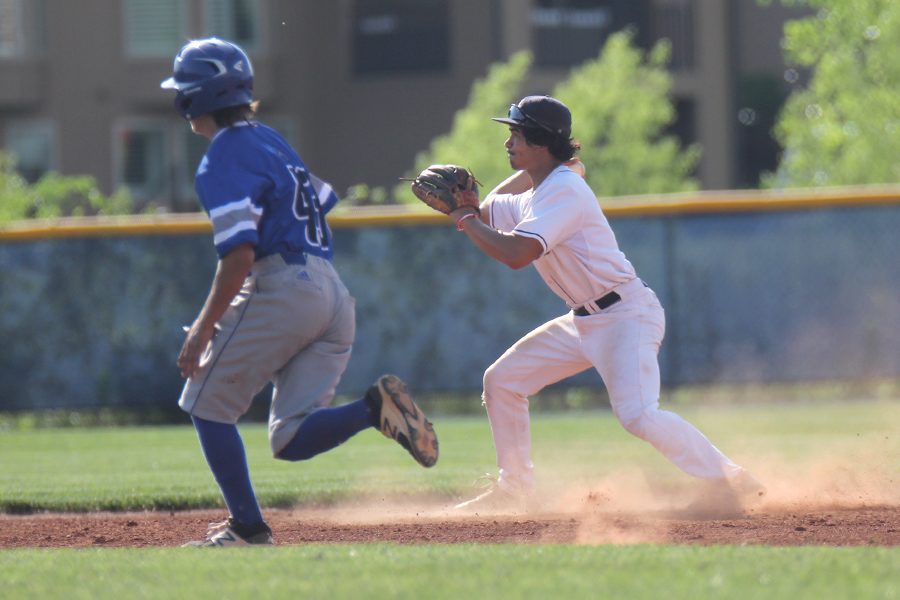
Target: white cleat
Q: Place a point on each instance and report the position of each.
(223, 534)
(496, 498)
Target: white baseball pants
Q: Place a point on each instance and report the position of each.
(622, 343)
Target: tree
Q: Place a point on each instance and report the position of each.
(844, 127)
(620, 108)
(54, 195)
(474, 140)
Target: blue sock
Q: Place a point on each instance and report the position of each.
(224, 452)
(328, 428)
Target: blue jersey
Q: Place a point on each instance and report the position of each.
(256, 189)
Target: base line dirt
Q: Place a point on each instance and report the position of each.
(794, 526)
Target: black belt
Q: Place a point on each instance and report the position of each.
(602, 303)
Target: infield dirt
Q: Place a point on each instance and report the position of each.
(876, 525)
(846, 499)
(624, 509)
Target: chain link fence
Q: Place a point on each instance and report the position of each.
(752, 296)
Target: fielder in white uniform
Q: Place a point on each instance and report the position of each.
(546, 215)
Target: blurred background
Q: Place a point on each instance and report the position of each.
(677, 103)
(362, 86)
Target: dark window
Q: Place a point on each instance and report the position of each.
(400, 36)
(758, 101)
(143, 163)
(567, 32)
(684, 127)
(33, 145)
(674, 20)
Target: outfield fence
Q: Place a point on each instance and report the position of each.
(758, 287)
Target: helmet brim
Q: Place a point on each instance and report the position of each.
(179, 86)
(508, 121)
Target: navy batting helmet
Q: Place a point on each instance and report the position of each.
(540, 112)
(210, 74)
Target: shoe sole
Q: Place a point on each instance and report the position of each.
(226, 538)
(491, 502)
(397, 406)
(470, 504)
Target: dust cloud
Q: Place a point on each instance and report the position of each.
(638, 501)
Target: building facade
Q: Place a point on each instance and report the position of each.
(360, 86)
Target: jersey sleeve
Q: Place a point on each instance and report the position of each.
(229, 190)
(502, 210)
(551, 217)
(327, 197)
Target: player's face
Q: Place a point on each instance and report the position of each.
(522, 155)
(204, 125)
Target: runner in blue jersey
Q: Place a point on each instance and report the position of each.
(243, 182)
(277, 310)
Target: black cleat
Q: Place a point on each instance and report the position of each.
(400, 419)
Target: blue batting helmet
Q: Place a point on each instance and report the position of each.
(210, 74)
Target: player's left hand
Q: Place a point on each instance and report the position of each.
(195, 343)
(445, 188)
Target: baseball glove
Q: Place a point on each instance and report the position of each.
(446, 188)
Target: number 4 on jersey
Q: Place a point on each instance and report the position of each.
(307, 207)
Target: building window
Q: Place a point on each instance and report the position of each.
(758, 99)
(234, 20)
(684, 127)
(192, 147)
(153, 28)
(674, 20)
(400, 36)
(566, 33)
(11, 27)
(33, 144)
(143, 159)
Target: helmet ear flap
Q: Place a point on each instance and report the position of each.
(183, 104)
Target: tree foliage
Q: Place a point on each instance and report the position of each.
(474, 140)
(54, 195)
(620, 109)
(844, 127)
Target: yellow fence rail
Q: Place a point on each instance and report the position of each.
(415, 215)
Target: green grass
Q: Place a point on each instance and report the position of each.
(462, 571)
(162, 467)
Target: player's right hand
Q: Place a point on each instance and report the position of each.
(576, 165)
(195, 343)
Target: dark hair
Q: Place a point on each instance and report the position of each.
(561, 148)
(228, 116)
